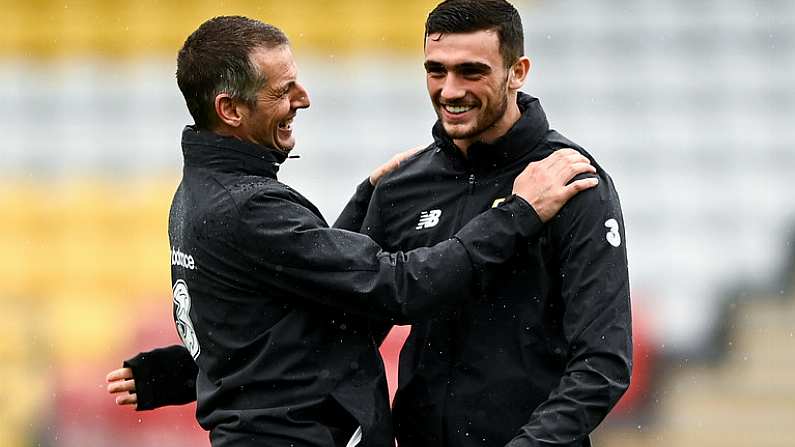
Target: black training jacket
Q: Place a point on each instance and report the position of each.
(270, 302)
(542, 358)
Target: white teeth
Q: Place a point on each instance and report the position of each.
(287, 125)
(457, 109)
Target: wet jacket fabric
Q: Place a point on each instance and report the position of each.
(270, 302)
(546, 353)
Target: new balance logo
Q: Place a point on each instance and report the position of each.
(429, 219)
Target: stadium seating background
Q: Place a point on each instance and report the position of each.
(689, 105)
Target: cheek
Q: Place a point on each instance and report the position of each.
(280, 112)
(490, 93)
(434, 86)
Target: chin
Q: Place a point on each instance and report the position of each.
(284, 145)
(286, 148)
(459, 132)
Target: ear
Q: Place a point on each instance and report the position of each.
(229, 111)
(519, 71)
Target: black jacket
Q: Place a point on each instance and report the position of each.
(543, 358)
(269, 301)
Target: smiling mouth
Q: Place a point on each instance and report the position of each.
(457, 109)
(287, 124)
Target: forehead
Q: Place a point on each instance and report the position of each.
(277, 64)
(458, 48)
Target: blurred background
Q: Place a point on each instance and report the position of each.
(689, 104)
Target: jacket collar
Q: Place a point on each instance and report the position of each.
(520, 139)
(203, 148)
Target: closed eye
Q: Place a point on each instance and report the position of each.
(473, 70)
(435, 69)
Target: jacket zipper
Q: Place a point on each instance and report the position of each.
(453, 353)
(462, 209)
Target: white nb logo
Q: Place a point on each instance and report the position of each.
(613, 236)
(182, 318)
(429, 219)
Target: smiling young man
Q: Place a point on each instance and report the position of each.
(272, 305)
(542, 359)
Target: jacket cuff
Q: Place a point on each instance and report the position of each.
(165, 376)
(530, 220)
(492, 236)
(365, 189)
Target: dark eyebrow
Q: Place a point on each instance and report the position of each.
(433, 65)
(476, 67)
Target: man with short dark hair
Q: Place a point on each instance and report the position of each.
(543, 359)
(274, 306)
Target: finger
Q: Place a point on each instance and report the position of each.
(565, 152)
(577, 186)
(127, 399)
(563, 157)
(575, 157)
(579, 168)
(557, 159)
(579, 158)
(119, 374)
(121, 386)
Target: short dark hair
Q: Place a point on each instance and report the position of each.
(468, 16)
(216, 58)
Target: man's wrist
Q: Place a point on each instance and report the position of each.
(139, 365)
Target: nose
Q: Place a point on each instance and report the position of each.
(301, 98)
(452, 88)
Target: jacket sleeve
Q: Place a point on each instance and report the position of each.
(164, 376)
(295, 255)
(167, 376)
(355, 211)
(596, 322)
(373, 226)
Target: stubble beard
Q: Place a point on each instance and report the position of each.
(485, 121)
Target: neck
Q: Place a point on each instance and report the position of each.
(497, 130)
(227, 131)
